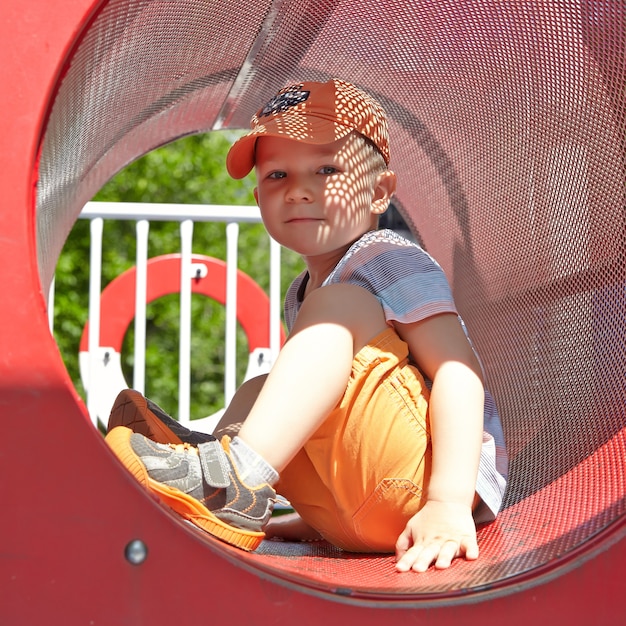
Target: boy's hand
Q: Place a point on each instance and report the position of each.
(438, 533)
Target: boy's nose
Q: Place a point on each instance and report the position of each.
(298, 191)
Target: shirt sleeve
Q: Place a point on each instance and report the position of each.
(407, 281)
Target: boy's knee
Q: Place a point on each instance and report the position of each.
(347, 305)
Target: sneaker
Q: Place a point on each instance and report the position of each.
(200, 483)
(143, 416)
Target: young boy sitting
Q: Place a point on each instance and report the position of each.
(373, 422)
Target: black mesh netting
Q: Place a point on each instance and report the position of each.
(507, 122)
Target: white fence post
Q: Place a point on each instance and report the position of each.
(141, 288)
(230, 361)
(95, 282)
(184, 360)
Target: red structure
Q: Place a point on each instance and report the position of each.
(507, 123)
(163, 278)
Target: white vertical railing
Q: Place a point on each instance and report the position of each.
(141, 288)
(186, 215)
(275, 300)
(184, 358)
(95, 282)
(50, 304)
(230, 364)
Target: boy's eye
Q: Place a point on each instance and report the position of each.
(328, 170)
(276, 175)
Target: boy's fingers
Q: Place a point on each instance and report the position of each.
(426, 557)
(406, 560)
(449, 550)
(469, 548)
(403, 544)
(420, 557)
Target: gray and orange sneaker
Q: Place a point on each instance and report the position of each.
(200, 483)
(143, 416)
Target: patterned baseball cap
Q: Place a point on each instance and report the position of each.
(312, 112)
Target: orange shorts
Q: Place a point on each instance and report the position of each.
(360, 477)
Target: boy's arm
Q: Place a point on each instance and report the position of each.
(444, 528)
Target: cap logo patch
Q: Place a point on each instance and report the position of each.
(283, 101)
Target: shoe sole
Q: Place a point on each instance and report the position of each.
(131, 410)
(187, 507)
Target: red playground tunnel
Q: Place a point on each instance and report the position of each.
(507, 120)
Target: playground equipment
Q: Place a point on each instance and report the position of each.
(507, 122)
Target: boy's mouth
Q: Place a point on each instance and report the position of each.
(297, 220)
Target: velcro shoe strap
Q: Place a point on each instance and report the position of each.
(216, 466)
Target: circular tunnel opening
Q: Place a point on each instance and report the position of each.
(508, 128)
(186, 172)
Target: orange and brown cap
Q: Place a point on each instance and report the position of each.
(312, 112)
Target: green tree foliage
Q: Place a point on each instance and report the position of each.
(188, 171)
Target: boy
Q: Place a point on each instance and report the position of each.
(371, 456)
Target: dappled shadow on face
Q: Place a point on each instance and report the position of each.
(319, 198)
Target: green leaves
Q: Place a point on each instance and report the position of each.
(188, 171)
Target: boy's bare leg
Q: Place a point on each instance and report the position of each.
(282, 409)
(307, 381)
(290, 526)
(239, 407)
(311, 372)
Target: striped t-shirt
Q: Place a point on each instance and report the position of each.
(411, 286)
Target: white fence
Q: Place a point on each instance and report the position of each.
(101, 365)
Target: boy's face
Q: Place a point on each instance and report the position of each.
(318, 199)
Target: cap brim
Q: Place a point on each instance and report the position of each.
(240, 157)
(309, 129)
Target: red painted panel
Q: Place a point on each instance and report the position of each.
(69, 509)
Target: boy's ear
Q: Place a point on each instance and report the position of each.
(386, 183)
(255, 191)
